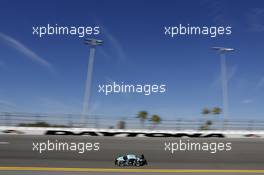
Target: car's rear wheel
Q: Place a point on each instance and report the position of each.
(120, 164)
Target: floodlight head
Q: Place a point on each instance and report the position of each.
(223, 49)
(93, 42)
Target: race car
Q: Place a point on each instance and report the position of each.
(131, 160)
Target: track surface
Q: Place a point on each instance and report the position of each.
(16, 151)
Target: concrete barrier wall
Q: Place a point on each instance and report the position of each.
(131, 133)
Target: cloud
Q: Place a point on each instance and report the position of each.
(116, 44)
(260, 83)
(255, 19)
(230, 74)
(104, 53)
(113, 42)
(247, 101)
(25, 50)
(216, 10)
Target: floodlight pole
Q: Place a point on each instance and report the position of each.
(222, 51)
(88, 84)
(224, 87)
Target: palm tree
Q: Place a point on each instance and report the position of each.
(207, 123)
(206, 111)
(155, 119)
(142, 115)
(216, 110)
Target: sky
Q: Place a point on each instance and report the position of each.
(47, 74)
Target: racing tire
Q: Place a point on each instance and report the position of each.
(137, 164)
(121, 164)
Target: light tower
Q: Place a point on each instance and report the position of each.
(222, 51)
(92, 43)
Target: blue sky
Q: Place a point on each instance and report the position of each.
(47, 74)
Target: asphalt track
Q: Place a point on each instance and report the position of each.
(17, 157)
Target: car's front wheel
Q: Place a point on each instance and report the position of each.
(138, 163)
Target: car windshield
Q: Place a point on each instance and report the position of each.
(131, 156)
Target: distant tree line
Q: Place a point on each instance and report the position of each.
(143, 116)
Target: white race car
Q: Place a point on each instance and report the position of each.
(131, 160)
